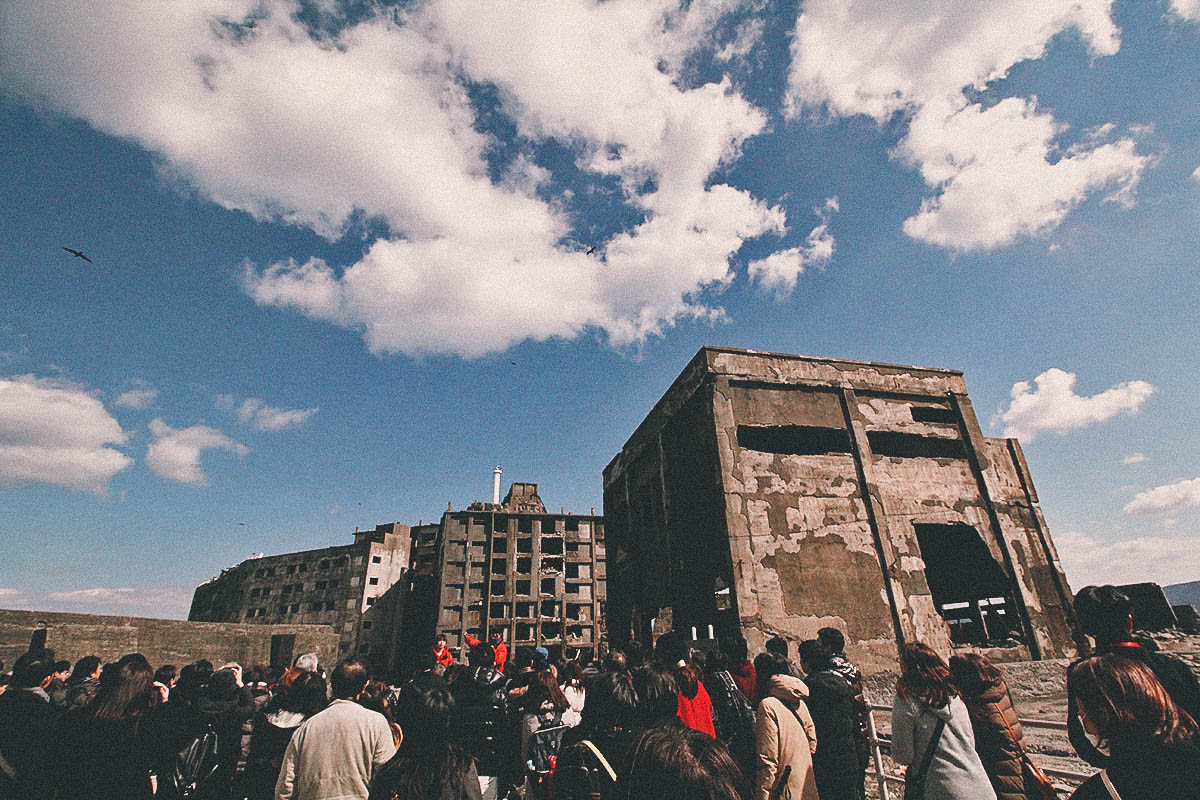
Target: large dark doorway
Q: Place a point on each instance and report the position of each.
(969, 588)
(282, 645)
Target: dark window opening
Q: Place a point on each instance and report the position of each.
(499, 566)
(496, 611)
(525, 525)
(323, 563)
(366, 626)
(523, 587)
(282, 645)
(552, 546)
(798, 440)
(524, 565)
(547, 526)
(552, 564)
(911, 445)
(572, 523)
(551, 630)
(376, 559)
(500, 524)
(525, 544)
(497, 587)
(524, 609)
(549, 608)
(370, 601)
(330, 605)
(934, 414)
(373, 581)
(577, 611)
(524, 632)
(969, 588)
(548, 586)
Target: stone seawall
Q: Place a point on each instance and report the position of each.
(162, 641)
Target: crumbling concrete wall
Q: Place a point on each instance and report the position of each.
(818, 475)
(161, 641)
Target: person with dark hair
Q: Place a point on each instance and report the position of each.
(999, 739)
(428, 764)
(678, 763)
(57, 690)
(542, 709)
(84, 681)
(26, 721)
(335, 753)
(778, 646)
(273, 730)
(767, 666)
(593, 752)
(615, 661)
(694, 706)
(441, 651)
(225, 705)
(741, 669)
(1106, 614)
(1153, 745)
(733, 715)
(931, 731)
(376, 695)
(164, 680)
(835, 641)
(835, 714)
(785, 737)
(480, 715)
(658, 695)
(98, 751)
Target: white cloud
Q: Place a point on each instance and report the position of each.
(1162, 559)
(175, 452)
(1134, 458)
(1054, 406)
(780, 271)
(996, 172)
(377, 124)
(8, 594)
(165, 602)
(1188, 9)
(54, 432)
(141, 397)
(1169, 497)
(268, 418)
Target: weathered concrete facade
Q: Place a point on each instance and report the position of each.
(164, 641)
(512, 568)
(779, 494)
(337, 586)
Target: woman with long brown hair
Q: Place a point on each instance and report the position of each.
(999, 740)
(99, 751)
(1153, 745)
(931, 732)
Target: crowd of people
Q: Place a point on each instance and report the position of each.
(680, 721)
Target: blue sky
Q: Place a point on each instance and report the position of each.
(341, 268)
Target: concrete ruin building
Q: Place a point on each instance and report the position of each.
(510, 567)
(773, 494)
(338, 586)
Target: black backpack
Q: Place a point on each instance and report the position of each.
(195, 766)
(545, 741)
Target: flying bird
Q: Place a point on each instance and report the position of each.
(78, 254)
(590, 250)
(241, 523)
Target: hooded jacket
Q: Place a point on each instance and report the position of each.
(835, 714)
(785, 737)
(956, 773)
(999, 740)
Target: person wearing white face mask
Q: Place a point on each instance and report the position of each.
(1152, 746)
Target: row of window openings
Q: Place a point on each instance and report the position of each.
(547, 608)
(806, 440)
(324, 563)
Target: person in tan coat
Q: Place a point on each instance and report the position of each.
(785, 738)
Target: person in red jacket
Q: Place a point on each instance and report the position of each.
(498, 647)
(695, 706)
(441, 652)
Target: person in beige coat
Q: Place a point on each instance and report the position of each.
(785, 738)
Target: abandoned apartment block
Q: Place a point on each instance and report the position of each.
(535, 578)
(345, 587)
(778, 494)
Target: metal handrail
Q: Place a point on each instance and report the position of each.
(883, 778)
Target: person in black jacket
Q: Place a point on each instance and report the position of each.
(1154, 746)
(593, 752)
(84, 681)
(26, 722)
(225, 704)
(273, 731)
(835, 715)
(835, 640)
(1106, 614)
(480, 716)
(100, 751)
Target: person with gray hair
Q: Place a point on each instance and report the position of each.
(307, 662)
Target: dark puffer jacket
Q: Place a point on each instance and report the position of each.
(480, 716)
(835, 714)
(999, 740)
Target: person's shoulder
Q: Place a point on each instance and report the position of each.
(1091, 789)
